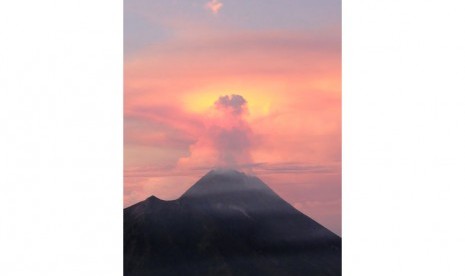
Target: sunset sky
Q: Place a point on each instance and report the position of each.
(249, 84)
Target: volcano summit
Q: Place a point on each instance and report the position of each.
(228, 223)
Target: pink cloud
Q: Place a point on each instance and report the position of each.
(226, 139)
(214, 6)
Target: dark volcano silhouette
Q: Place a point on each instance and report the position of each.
(228, 223)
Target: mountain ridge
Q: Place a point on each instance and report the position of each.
(227, 223)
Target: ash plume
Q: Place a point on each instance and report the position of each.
(227, 139)
(231, 134)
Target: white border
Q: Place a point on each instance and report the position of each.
(403, 137)
(61, 162)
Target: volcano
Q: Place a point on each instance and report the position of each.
(228, 223)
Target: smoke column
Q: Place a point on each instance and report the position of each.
(226, 142)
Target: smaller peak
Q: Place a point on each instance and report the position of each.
(144, 205)
(152, 198)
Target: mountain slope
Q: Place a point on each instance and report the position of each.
(228, 223)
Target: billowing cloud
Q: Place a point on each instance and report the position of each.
(214, 6)
(235, 104)
(226, 141)
(231, 133)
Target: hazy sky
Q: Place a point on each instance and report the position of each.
(251, 84)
